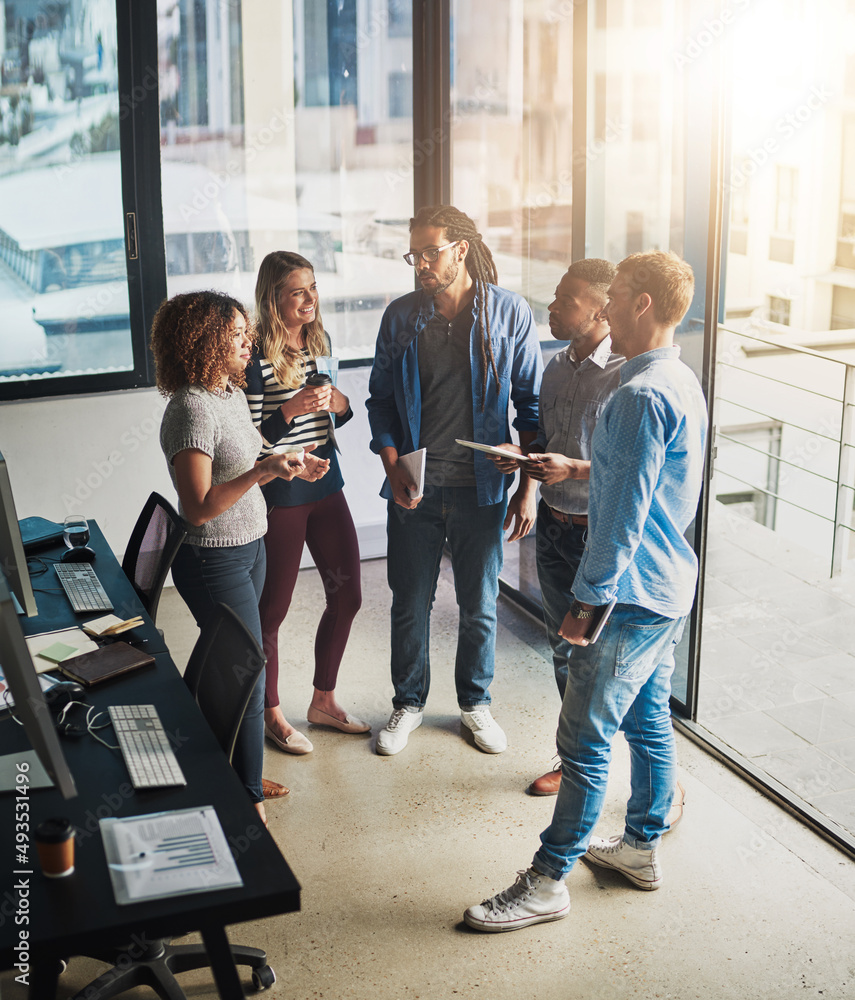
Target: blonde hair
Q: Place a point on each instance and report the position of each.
(288, 365)
(666, 278)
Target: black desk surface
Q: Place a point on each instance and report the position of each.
(65, 914)
(54, 610)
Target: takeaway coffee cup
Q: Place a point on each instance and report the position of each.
(55, 845)
(318, 379)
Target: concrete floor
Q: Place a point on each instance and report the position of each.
(390, 851)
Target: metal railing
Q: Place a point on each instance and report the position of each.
(781, 385)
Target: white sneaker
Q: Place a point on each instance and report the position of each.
(488, 734)
(640, 867)
(532, 899)
(393, 737)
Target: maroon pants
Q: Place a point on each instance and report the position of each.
(327, 529)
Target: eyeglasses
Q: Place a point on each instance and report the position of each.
(429, 255)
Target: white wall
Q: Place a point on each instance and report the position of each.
(100, 455)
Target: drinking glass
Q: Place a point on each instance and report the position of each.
(75, 531)
(329, 366)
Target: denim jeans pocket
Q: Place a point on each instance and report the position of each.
(641, 647)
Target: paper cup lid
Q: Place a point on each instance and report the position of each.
(54, 831)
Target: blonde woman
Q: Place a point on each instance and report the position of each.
(290, 413)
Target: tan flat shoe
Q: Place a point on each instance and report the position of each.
(295, 743)
(272, 789)
(350, 725)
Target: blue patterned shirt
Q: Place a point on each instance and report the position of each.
(647, 467)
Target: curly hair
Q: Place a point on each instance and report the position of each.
(191, 340)
(598, 274)
(288, 364)
(480, 265)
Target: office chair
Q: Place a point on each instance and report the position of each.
(222, 671)
(152, 547)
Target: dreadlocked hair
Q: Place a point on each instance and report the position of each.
(480, 265)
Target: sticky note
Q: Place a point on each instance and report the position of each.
(58, 652)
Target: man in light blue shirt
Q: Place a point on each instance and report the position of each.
(646, 474)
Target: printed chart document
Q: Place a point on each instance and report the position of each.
(6, 698)
(168, 854)
(414, 463)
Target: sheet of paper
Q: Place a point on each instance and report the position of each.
(70, 636)
(414, 463)
(168, 854)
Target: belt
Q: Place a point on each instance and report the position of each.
(559, 515)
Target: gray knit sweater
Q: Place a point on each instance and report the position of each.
(222, 428)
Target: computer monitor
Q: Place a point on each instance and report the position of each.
(30, 705)
(13, 559)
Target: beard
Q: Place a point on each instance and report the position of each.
(439, 282)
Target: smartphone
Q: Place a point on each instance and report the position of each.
(597, 623)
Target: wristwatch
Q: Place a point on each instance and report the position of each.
(577, 611)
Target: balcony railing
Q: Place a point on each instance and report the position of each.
(785, 436)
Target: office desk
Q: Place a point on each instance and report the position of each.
(70, 913)
(55, 612)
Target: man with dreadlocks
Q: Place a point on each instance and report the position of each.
(449, 360)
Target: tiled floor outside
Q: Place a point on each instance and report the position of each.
(777, 677)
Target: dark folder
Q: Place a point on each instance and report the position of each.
(101, 664)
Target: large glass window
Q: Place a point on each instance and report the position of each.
(63, 278)
(288, 126)
(775, 658)
(512, 161)
(512, 145)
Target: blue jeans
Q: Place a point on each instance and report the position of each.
(559, 549)
(622, 682)
(416, 539)
(233, 575)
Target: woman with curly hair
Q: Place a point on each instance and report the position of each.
(288, 412)
(201, 343)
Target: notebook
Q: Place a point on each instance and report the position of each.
(108, 661)
(38, 531)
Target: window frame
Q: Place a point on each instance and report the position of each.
(145, 258)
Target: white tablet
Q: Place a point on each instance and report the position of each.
(490, 450)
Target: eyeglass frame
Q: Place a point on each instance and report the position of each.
(418, 255)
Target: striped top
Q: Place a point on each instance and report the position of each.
(265, 397)
(307, 428)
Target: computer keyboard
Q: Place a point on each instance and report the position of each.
(83, 587)
(145, 747)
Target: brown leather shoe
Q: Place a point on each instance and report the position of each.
(547, 784)
(272, 789)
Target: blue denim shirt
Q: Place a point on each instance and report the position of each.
(394, 402)
(647, 467)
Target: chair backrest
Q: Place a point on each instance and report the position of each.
(222, 671)
(152, 547)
